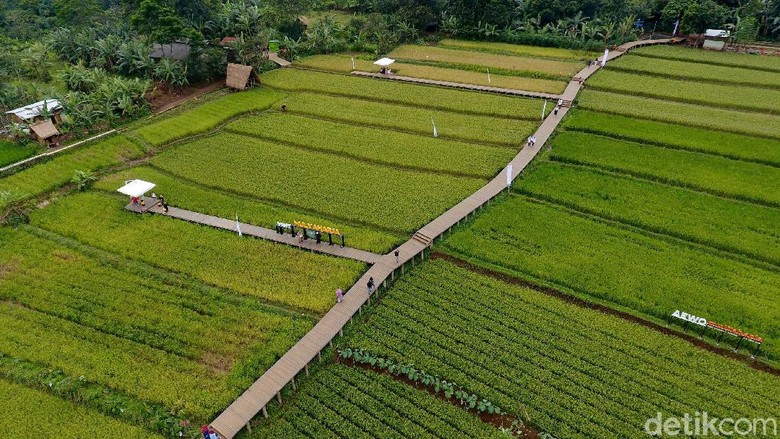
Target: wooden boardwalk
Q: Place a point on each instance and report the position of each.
(474, 87)
(281, 62)
(297, 359)
(268, 234)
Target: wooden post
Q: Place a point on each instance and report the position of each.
(392, 275)
(369, 301)
(248, 427)
(279, 397)
(306, 367)
(341, 332)
(319, 355)
(330, 343)
(265, 412)
(402, 268)
(293, 384)
(360, 310)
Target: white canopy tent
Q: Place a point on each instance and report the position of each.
(136, 188)
(384, 62)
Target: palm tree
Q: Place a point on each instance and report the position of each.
(607, 31)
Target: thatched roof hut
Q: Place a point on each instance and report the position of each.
(44, 132)
(240, 77)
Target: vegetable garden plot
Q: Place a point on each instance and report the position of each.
(694, 71)
(702, 93)
(518, 50)
(449, 125)
(525, 65)
(756, 124)
(338, 187)
(151, 339)
(59, 170)
(745, 61)
(722, 176)
(343, 64)
(251, 211)
(269, 271)
(459, 101)
(377, 145)
(577, 372)
(348, 400)
(627, 269)
(757, 149)
(34, 413)
(730, 225)
(208, 116)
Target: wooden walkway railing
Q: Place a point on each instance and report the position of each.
(268, 234)
(281, 62)
(474, 87)
(297, 359)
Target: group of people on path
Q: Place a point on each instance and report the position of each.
(531, 141)
(209, 433)
(340, 293)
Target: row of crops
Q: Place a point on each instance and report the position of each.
(343, 401)
(121, 325)
(622, 266)
(26, 410)
(649, 206)
(468, 74)
(487, 130)
(574, 372)
(399, 150)
(292, 279)
(339, 187)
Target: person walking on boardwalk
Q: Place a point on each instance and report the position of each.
(555, 112)
(370, 285)
(397, 258)
(339, 295)
(205, 431)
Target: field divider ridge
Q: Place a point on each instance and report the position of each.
(503, 91)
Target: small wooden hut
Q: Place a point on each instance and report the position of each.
(241, 77)
(45, 133)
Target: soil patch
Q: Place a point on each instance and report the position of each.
(164, 98)
(696, 341)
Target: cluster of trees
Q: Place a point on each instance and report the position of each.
(515, 20)
(94, 45)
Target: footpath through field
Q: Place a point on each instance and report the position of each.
(505, 91)
(297, 359)
(268, 234)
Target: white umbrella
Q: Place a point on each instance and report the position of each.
(136, 188)
(384, 62)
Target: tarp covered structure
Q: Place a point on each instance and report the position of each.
(136, 188)
(30, 112)
(384, 62)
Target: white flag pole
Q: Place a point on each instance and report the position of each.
(238, 226)
(435, 133)
(544, 109)
(353, 63)
(488, 70)
(604, 60)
